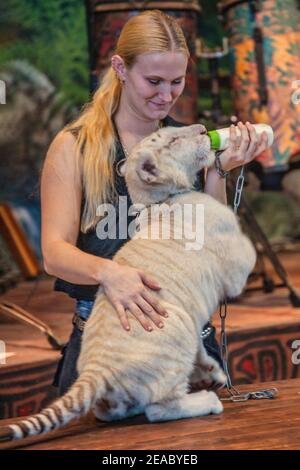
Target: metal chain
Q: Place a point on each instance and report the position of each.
(235, 395)
(238, 190)
(224, 348)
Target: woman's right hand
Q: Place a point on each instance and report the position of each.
(125, 289)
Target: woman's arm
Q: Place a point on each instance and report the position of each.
(60, 203)
(61, 193)
(215, 185)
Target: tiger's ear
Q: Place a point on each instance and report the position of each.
(148, 169)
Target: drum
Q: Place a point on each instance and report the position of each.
(105, 21)
(264, 38)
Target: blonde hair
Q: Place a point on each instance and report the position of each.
(150, 31)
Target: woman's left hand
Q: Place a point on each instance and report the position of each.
(249, 147)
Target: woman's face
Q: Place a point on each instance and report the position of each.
(154, 83)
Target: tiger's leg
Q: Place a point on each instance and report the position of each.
(188, 406)
(116, 405)
(207, 373)
(103, 412)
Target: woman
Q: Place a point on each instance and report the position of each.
(146, 77)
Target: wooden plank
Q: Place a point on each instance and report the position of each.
(256, 424)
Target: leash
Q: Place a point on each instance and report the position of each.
(234, 394)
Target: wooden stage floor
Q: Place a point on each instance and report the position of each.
(255, 424)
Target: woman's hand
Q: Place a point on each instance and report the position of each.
(244, 150)
(125, 289)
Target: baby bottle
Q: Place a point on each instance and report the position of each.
(220, 137)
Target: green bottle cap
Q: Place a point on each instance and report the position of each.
(215, 139)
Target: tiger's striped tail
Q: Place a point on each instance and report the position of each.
(75, 403)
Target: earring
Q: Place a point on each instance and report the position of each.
(118, 77)
(119, 167)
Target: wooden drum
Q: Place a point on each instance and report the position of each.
(264, 39)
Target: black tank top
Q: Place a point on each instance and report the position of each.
(90, 243)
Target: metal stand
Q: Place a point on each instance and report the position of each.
(29, 267)
(263, 248)
(18, 313)
(213, 57)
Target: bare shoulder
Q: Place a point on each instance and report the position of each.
(61, 186)
(61, 155)
(63, 142)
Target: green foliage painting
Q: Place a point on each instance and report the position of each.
(50, 35)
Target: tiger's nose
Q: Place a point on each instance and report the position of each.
(199, 129)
